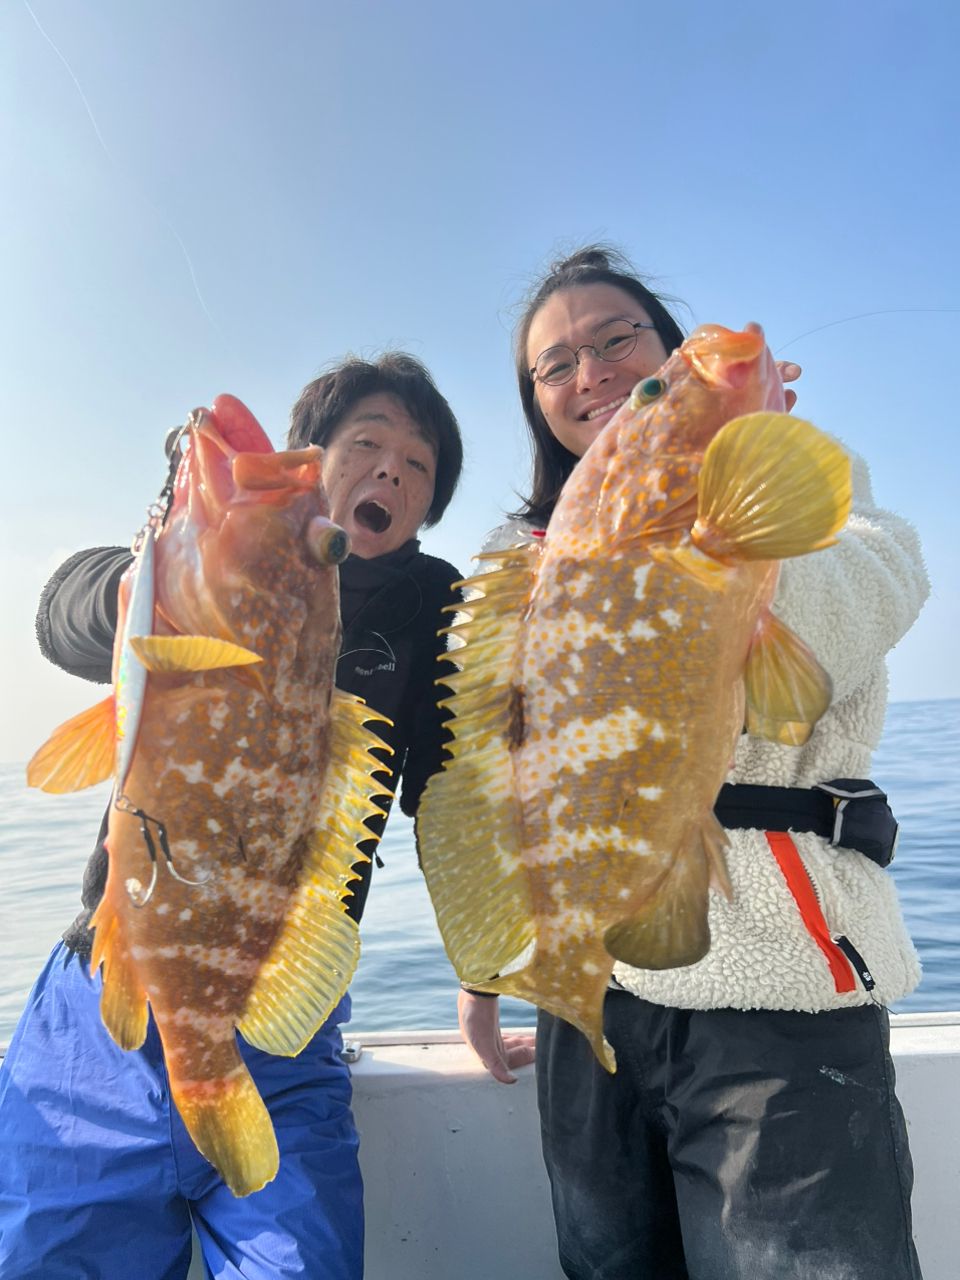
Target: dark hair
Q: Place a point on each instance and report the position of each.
(324, 403)
(593, 264)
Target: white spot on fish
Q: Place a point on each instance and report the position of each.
(640, 580)
(650, 793)
(185, 914)
(671, 618)
(214, 826)
(243, 743)
(589, 967)
(642, 630)
(163, 909)
(192, 773)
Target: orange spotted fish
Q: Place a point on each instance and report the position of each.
(241, 782)
(607, 671)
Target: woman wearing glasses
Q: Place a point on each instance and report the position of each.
(751, 1128)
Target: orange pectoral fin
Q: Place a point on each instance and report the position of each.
(787, 690)
(170, 655)
(79, 753)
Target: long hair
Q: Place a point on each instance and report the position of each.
(593, 264)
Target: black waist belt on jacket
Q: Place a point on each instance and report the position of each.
(851, 812)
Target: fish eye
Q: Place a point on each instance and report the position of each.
(646, 392)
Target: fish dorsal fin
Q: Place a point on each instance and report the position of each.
(79, 753)
(468, 822)
(771, 486)
(787, 690)
(167, 655)
(312, 960)
(123, 1002)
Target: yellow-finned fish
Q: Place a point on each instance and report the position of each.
(607, 670)
(241, 781)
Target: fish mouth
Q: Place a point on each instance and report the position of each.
(373, 515)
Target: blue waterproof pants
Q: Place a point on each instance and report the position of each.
(99, 1178)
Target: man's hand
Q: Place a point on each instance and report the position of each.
(480, 1027)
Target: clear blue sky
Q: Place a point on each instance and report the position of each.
(224, 196)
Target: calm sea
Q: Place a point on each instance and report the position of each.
(404, 979)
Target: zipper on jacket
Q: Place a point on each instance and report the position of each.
(806, 896)
(856, 960)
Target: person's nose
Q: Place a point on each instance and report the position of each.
(389, 469)
(591, 370)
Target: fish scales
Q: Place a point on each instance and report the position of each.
(627, 669)
(246, 790)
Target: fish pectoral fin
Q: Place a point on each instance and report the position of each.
(167, 655)
(79, 753)
(771, 486)
(230, 1125)
(670, 929)
(314, 957)
(123, 1001)
(787, 690)
(692, 562)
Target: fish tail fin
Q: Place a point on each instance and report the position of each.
(575, 997)
(79, 753)
(787, 691)
(771, 486)
(123, 1002)
(670, 928)
(231, 1127)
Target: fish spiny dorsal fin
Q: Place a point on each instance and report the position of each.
(80, 753)
(167, 655)
(787, 691)
(771, 486)
(313, 959)
(123, 1002)
(468, 823)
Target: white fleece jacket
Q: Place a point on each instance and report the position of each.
(851, 604)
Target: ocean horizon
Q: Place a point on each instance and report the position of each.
(404, 980)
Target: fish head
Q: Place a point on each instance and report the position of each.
(248, 532)
(715, 375)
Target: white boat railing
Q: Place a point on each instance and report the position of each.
(455, 1187)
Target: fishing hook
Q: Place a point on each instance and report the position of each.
(138, 895)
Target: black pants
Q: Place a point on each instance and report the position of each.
(728, 1145)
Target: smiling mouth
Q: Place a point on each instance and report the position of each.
(371, 515)
(604, 408)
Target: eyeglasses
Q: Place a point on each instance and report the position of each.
(613, 341)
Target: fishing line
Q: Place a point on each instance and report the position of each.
(863, 315)
(146, 199)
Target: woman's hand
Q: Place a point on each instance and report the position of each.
(480, 1027)
(789, 372)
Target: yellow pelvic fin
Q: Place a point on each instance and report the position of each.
(80, 753)
(787, 691)
(670, 929)
(166, 655)
(771, 486)
(123, 1002)
(313, 959)
(468, 824)
(231, 1127)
